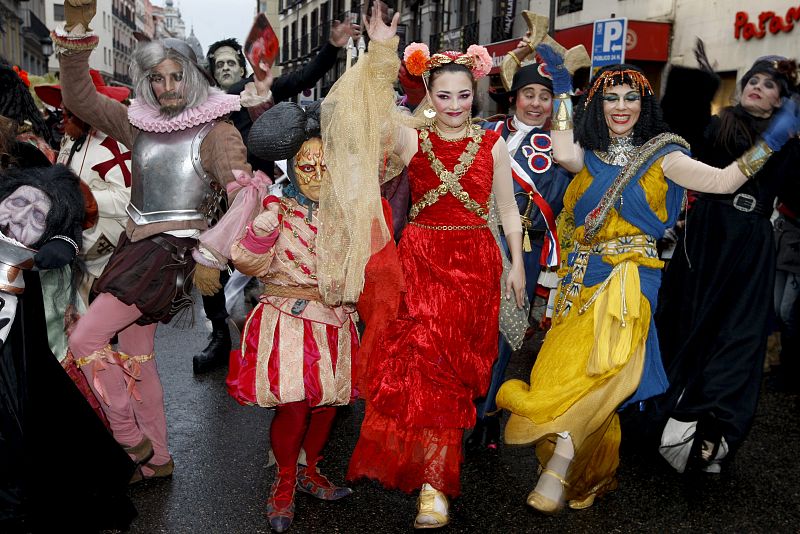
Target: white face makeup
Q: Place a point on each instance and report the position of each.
(227, 70)
(451, 96)
(761, 95)
(622, 105)
(534, 104)
(23, 214)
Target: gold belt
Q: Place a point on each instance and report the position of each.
(437, 227)
(292, 292)
(644, 245)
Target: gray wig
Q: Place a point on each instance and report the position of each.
(149, 54)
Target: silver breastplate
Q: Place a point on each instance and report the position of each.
(168, 180)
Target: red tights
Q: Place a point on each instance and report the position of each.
(297, 425)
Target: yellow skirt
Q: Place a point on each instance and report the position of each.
(590, 362)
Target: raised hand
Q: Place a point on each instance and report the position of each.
(375, 25)
(524, 48)
(344, 30)
(784, 125)
(263, 85)
(562, 82)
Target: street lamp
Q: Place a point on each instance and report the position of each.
(47, 46)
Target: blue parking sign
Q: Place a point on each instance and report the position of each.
(608, 42)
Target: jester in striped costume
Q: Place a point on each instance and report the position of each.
(539, 185)
(296, 351)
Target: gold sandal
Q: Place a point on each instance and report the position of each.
(544, 504)
(425, 507)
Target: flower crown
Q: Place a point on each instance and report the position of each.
(419, 61)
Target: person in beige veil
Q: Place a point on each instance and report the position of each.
(437, 355)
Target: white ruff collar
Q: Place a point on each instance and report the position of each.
(149, 118)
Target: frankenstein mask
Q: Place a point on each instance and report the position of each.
(227, 70)
(23, 214)
(310, 169)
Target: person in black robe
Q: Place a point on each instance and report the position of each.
(716, 297)
(56, 456)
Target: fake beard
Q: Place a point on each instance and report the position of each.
(172, 110)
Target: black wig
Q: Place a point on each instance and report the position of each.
(16, 102)
(62, 187)
(591, 130)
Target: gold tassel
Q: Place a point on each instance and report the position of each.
(526, 241)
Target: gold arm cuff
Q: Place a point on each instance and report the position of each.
(754, 158)
(562, 119)
(513, 56)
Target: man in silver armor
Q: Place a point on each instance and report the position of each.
(184, 158)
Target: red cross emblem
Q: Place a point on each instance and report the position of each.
(119, 158)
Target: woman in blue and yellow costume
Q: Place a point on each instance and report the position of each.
(602, 351)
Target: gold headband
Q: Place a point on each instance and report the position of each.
(443, 58)
(611, 78)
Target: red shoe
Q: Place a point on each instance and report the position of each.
(311, 481)
(280, 505)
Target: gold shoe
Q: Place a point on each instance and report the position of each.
(160, 471)
(425, 502)
(141, 452)
(543, 504)
(582, 504)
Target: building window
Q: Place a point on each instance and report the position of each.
(58, 12)
(569, 6)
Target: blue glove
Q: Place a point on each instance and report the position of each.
(784, 125)
(562, 82)
(54, 254)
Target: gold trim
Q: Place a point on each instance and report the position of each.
(754, 158)
(449, 227)
(449, 180)
(515, 58)
(562, 120)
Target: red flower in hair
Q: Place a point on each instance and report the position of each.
(416, 63)
(23, 75)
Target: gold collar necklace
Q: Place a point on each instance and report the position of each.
(464, 135)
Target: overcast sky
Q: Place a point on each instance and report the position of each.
(216, 19)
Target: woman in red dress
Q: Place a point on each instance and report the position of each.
(436, 357)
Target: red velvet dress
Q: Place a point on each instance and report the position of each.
(437, 356)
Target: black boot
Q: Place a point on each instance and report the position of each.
(217, 352)
(485, 435)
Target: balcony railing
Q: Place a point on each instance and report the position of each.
(470, 35)
(498, 29)
(455, 39)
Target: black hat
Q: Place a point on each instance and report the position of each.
(780, 69)
(531, 73)
(281, 130)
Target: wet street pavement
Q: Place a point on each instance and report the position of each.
(222, 479)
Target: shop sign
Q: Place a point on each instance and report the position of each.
(768, 21)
